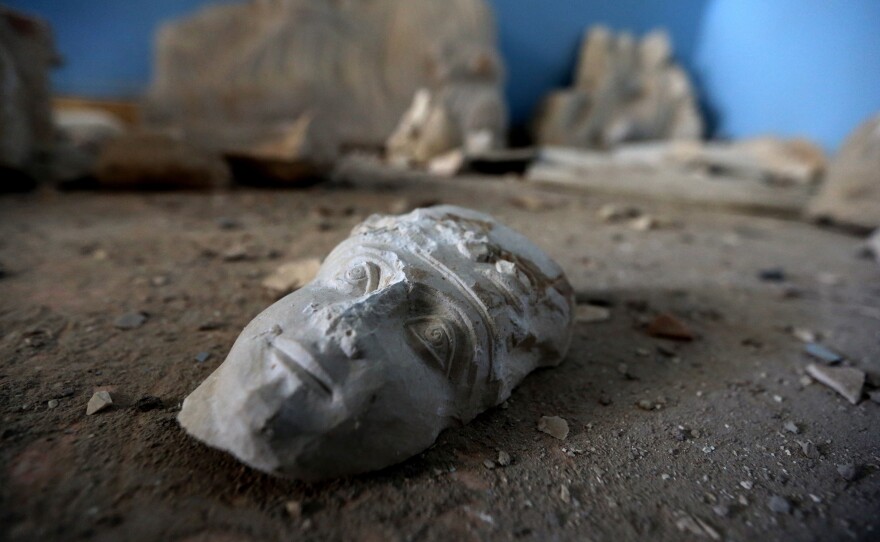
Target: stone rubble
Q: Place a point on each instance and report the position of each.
(846, 381)
(554, 426)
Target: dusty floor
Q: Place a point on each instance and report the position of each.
(75, 262)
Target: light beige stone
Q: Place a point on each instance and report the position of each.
(230, 73)
(292, 276)
(625, 90)
(850, 195)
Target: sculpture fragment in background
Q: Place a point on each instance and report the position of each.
(625, 90)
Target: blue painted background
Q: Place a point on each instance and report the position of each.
(788, 67)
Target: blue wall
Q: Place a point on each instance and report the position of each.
(789, 67)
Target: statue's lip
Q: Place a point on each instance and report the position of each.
(301, 362)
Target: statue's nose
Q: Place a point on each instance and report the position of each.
(302, 363)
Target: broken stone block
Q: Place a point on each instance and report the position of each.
(300, 153)
(850, 195)
(27, 54)
(846, 381)
(231, 73)
(155, 160)
(413, 324)
(625, 90)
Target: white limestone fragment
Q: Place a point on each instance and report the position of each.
(413, 324)
(101, 400)
(846, 381)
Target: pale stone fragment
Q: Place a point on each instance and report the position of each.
(101, 400)
(850, 195)
(846, 381)
(554, 426)
(413, 324)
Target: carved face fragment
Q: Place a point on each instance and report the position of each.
(413, 324)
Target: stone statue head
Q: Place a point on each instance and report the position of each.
(415, 323)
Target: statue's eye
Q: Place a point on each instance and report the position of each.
(434, 337)
(361, 278)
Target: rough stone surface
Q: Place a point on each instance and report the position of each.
(155, 160)
(27, 53)
(229, 73)
(413, 324)
(625, 90)
(846, 381)
(850, 195)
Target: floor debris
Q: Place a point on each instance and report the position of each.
(666, 326)
(780, 505)
(590, 314)
(848, 471)
(791, 427)
(846, 381)
(554, 426)
(131, 320)
(292, 275)
(100, 401)
(822, 353)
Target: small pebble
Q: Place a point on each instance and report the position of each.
(100, 401)
(202, 357)
(848, 471)
(721, 510)
(503, 458)
(644, 404)
(667, 326)
(746, 484)
(778, 504)
(489, 464)
(554, 426)
(792, 427)
(131, 320)
(52, 403)
(809, 449)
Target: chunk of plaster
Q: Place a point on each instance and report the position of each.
(413, 324)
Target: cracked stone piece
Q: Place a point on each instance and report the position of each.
(844, 380)
(413, 324)
(101, 400)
